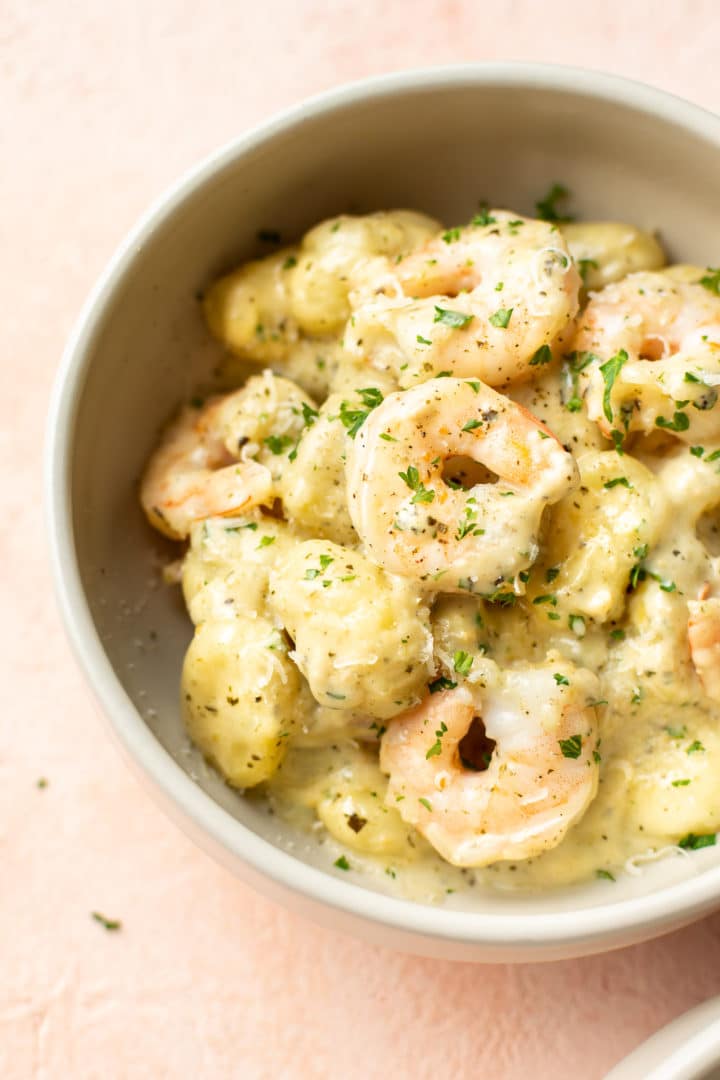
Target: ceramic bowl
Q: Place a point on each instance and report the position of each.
(438, 140)
(686, 1049)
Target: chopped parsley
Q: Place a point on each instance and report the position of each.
(456, 319)
(501, 318)
(711, 280)
(610, 371)
(423, 340)
(572, 747)
(469, 525)
(342, 863)
(462, 662)
(354, 418)
(436, 748)
(679, 422)
(676, 732)
(543, 355)
(276, 444)
(618, 634)
(451, 235)
(697, 451)
(585, 266)
(413, 481)
(265, 541)
(696, 747)
(441, 684)
(484, 217)
(426, 803)
(605, 875)
(289, 262)
(621, 481)
(693, 841)
(41, 783)
(310, 415)
(108, 924)
(546, 207)
(561, 681)
(472, 424)
(577, 625)
(680, 783)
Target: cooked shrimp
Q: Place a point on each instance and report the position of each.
(649, 357)
(497, 772)
(206, 463)
(486, 300)
(192, 475)
(704, 641)
(416, 524)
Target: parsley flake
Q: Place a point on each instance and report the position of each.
(693, 841)
(547, 206)
(413, 481)
(436, 748)
(441, 684)
(354, 418)
(456, 319)
(711, 280)
(501, 318)
(610, 371)
(572, 747)
(543, 355)
(108, 924)
(462, 662)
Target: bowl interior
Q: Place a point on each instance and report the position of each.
(440, 149)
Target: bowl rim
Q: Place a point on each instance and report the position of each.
(633, 918)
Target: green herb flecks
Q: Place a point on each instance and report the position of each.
(501, 318)
(456, 319)
(711, 280)
(107, 924)
(441, 683)
(679, 422)
(610, 371)
(572, 747)
(695, 841)
(353, 417)
(543, 355)
(436, 748)
(462, 663)
(413, 481)
(547, 208)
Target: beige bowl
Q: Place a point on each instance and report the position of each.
(438, 141)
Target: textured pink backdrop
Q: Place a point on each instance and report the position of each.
(102, 105)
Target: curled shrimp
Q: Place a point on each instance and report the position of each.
(500, 771)
(704, 641)
(205, 465)
(485, 300)
(648, 355)
(415, 523)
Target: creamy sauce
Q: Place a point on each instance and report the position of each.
(305, 650)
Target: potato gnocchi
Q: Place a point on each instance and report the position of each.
(453, 552)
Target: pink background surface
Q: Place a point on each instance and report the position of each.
(102, 106)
